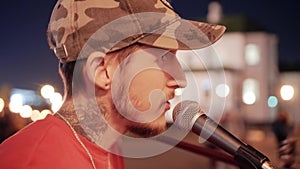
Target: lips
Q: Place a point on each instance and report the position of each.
(168, 105)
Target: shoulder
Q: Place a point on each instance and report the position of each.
(36, 132)
(34, 143)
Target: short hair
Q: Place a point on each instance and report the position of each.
(66, 70)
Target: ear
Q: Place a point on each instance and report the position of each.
(102, 78)
(97, 70)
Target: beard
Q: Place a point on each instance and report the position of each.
(143, 129)
(148, 129)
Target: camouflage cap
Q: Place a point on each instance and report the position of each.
(150, 22)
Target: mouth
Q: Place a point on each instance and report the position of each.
(168, 105)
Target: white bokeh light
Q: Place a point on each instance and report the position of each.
(26, 111)
(16, 103)
(178, 91)
(249, 98)
(17, 99)
(222, 90)
(44, 113)
(56, 98)
(36, 115)
(250, 91)
(252, 54)
(56, 101)
(47, 91)
(287, 92)
(2, 104)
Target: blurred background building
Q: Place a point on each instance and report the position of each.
(239, 84)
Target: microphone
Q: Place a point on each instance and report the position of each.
(188, 115)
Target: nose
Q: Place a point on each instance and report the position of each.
(178, 80)
(176, 83)
(177, 77)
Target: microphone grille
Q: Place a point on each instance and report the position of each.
(185, 113)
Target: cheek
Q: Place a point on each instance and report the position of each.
(143, 84)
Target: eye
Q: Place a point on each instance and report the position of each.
(164, 58)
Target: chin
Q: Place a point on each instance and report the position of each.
(148, 129)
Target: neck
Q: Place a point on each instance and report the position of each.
(67, 110)
(97, 126)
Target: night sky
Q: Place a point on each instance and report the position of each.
(27, 62)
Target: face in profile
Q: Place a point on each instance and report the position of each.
(142, 86)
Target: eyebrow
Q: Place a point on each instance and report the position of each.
(173, 51)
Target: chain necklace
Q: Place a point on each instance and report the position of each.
(80, 142)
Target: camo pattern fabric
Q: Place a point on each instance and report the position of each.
(151, 22)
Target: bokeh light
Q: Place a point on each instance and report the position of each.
(47, 91)
(2, 104)
(44, 113)
(222, 90)
(56, 101)
(287, 92)
(272, 101)
(26, 111)
(36, 115)
(249, 98)
(178, 91)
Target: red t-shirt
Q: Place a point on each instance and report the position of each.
(51, 144)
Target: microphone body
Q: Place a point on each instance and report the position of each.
(189, 116)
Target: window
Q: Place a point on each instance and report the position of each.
(252, 55)
(250, 91)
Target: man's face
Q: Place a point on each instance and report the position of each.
(148, 78)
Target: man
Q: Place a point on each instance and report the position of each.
(117, 60)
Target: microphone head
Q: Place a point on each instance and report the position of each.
(186, 113)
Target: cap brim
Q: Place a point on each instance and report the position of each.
(185, 35)
(180, 34)
(153, 29)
